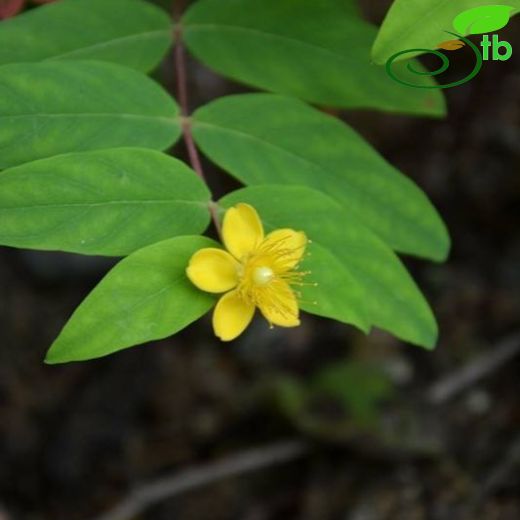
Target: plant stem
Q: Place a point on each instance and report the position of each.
(182, 94)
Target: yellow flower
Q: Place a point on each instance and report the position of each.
(258, 271)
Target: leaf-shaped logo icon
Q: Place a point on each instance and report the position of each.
(484, 19)
(451, 45)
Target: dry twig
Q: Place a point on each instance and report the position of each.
(448, 387)
(148, 494)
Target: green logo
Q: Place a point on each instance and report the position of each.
(479, 20)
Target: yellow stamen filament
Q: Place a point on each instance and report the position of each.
(271, 262)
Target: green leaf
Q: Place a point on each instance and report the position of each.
(108, 202)
(266, 139)
(145, 297)
(128, 32)
(319, 53)
(338, 294)
(59, 107)
(413, 25)
(485, 19)
(388, 297)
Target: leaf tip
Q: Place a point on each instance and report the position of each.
(57, 355)
(51, 358)
(431, 344)
(443, 250)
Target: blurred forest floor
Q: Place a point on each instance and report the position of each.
(382, 434)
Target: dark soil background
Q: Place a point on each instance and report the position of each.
(76, 439)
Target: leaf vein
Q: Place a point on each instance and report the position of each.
(108, 43)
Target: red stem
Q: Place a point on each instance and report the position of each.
(182, 94)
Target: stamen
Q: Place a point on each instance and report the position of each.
(273, 262)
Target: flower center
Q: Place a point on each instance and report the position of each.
(262, 275)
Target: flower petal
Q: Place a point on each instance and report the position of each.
(213, 270)
(242, 230)
(282, 307)
(231, 316)
(287, 246)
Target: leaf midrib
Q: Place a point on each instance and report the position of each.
(106, 203)
(109, 43)
(358, 273)
(304, 160)
(169, 120)
(110, 317)
(267, 34)
(418, 22)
